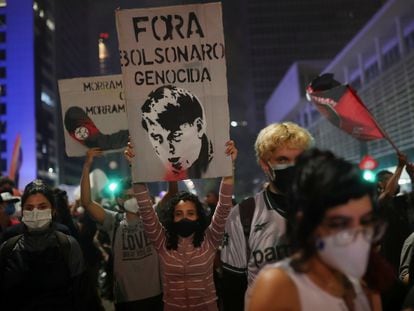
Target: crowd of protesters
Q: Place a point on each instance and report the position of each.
(316, 237)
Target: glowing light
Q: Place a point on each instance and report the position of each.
(369, 175)
(50, 25)
(113, 186)
(103, 51)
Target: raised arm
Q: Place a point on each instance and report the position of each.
(152, 225)
(94, 209)
(231, 151)
(392, 183)
(224, 205)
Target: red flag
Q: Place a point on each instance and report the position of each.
(16, 161)
(343, 108)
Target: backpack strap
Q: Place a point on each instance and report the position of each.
(246, 210)
(7, 248)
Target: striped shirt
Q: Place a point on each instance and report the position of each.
(187, 271)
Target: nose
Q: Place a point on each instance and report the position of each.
(171, 148)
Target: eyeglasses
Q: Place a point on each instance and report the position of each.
(372, 233)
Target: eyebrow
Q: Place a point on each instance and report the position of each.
(344, 217)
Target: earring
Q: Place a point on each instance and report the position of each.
(320, 244)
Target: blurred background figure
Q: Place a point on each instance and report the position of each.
(7, 211)
(211, 200)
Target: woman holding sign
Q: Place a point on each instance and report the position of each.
(186, 246)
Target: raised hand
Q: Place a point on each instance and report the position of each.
(402, 159)
(129, 152)
(231, 150)
(92, 153)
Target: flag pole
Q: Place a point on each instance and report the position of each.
(386, 136)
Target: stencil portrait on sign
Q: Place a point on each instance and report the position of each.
(174, 73)
(93, 114)
(176, 125)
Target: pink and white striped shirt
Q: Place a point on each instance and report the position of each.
(188, 271)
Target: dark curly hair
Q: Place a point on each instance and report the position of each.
(322, 181)
(172, 237)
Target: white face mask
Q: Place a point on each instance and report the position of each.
(131, 205)
(80, 210)
(37, 219)
(350, 259)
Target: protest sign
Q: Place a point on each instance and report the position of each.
(174, 72)
(94, 114)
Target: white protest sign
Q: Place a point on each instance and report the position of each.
(174, 72)
(94, 114)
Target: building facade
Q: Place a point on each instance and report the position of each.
(35, 51)
(379, 63)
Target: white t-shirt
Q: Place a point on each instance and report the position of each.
(312, 297)
(267, 239)
(136, 265)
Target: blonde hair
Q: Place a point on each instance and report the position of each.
(278, 135)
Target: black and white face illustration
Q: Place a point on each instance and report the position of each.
(175, 122)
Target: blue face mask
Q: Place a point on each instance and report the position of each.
(10, 209)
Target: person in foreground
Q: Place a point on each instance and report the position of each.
(41, 269)
(336, 226)
(186, 245)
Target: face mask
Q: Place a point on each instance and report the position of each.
(10, 209)
(185, 227)
(351, 259)
(37, 219)
(131, 205)
(282, 176)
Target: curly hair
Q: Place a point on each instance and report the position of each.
(172, 236)
(277, 135)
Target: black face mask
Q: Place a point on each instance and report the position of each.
(283, 178)
(185, 227)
